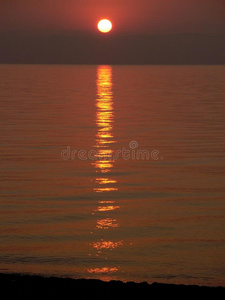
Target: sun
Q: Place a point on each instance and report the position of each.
(104, 26)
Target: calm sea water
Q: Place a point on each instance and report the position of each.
(113, 172)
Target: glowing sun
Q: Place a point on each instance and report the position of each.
(104, 25)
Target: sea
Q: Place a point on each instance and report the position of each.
(113, 172)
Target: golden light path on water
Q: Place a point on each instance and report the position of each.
(104, 137)
(103, 165)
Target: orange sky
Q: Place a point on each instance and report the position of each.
(131, 16)
(144, 31)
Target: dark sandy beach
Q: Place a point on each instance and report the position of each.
(37, 287)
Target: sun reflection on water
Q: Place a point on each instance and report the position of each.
(107, 245)
(107, 208)
(103, 270)
(104, 183)
(107, 223)
(104, 136)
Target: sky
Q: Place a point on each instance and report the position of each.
(136, 23)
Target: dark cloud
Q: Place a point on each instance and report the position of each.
(113, 49)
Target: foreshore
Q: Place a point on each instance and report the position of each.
(38, 287)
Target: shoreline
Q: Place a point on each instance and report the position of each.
(36, 286)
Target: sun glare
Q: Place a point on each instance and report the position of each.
(104, 26)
